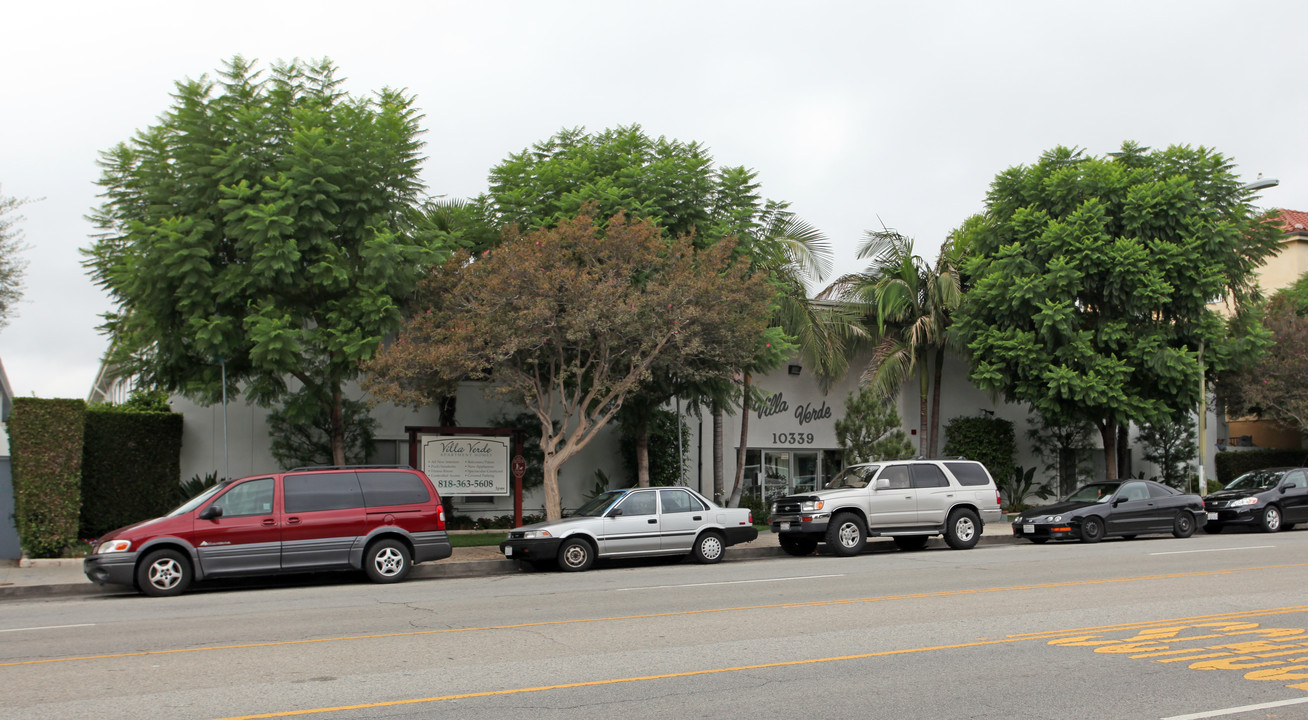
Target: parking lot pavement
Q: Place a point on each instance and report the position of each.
(37, 579)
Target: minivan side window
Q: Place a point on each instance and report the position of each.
(254, 497)
(392, 488)
(969, 473)
(315, 492)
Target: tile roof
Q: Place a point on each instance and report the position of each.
(1293, 222)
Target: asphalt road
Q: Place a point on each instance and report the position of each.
(1149, 628)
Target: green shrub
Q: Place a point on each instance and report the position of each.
(131, 463)
(45, 443)
(990, 441)
(1231, 465)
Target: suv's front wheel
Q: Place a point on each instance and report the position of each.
(963, 530)
(846, 534)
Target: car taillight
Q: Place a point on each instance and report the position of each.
(751, 517)
(440, 517)
(998, 500)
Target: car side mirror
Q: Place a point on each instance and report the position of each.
(1118, 501)
(212, 512)
(616, 512)
(883, 484)
(1285, 487)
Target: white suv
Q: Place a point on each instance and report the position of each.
(909, 500)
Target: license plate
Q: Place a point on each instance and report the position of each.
(1028, 529)
(785, 526)
(508, 550)
(1212, 516)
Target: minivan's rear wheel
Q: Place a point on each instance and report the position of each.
(163, 573)
(911, 542)
(708, 549)
(387, 561)
(963, 530)
(798, 545)
(576, 555)
(846, 534)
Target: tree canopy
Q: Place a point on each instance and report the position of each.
(568, 321)
(1093, 278)
(1275, 387)
(263, 228)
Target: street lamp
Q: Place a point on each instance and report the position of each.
(1261, 183)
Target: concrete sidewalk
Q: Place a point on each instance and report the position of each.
(64, 578)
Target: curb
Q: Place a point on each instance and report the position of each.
(424, 571)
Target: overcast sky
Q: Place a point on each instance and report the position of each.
(858, 113)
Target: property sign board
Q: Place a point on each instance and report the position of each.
(467, 464)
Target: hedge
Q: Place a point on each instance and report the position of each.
(45, 442)
(130, 467)
(1231, 465)
(987, 440)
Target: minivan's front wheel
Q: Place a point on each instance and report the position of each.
(846, 534)
(963, 530)
(163, 573)
(387, 561)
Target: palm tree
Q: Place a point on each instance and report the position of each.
(791, 251)
(911, 305)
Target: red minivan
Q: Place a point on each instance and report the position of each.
(378, 519)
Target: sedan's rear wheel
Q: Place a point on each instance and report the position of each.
(576, 555)
(1271, 519)
(846, 535)
(1092, 529)
(709, 547)
(1183, 525)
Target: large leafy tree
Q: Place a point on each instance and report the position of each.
(1093, 278)
(568, 321)
(264, 229)
(12, 264)
(677, 185)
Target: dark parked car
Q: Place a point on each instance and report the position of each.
(1270, 499)
(1126, 508)
(379, 520)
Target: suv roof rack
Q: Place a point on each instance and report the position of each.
(349, 467)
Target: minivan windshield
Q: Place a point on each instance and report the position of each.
(1094, 492)
(1256, 480)
(856, 476)
(197, 501)
(596, 506)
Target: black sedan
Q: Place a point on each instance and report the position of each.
(1270, 499)
(1126, 508)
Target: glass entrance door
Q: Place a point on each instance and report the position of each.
(786, 472)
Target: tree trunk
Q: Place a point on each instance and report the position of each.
(642, 453)
(923, 386)
(338, 427)
(553, 502)
(1108, 433)
(718, 488)
(449, 404)
(935, 403)
(1124, 450)
(739, 485)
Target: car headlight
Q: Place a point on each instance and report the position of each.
(535, 534)
(1244, 501)
(811, 505)
(113, 546)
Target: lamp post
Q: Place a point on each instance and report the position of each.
(1261, 183)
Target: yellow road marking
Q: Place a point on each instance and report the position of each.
(616, 681)
(682, 613)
